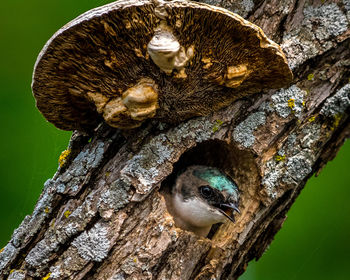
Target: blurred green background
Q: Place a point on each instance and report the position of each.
(314, 242)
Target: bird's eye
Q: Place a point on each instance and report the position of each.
(206, 191)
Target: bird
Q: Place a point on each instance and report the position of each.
(202, 196)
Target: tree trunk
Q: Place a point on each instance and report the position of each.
(103, 214)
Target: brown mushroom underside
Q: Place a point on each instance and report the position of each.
(89, 65)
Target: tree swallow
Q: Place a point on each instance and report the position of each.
(203, 196)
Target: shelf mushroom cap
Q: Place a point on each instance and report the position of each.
(132, 60)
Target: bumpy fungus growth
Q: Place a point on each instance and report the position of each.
(133, 60)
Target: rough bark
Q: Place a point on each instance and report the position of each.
(103, 215)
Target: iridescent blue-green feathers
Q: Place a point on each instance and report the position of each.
(217, 179)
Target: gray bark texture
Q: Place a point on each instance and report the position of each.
(103, 214)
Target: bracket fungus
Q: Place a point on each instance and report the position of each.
(132, 60)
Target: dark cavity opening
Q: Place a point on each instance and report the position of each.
(214, 153)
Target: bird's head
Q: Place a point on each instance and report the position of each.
(203, 196)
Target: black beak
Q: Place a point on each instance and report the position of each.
(227, 210)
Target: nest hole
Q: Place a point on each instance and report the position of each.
(239, 164)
